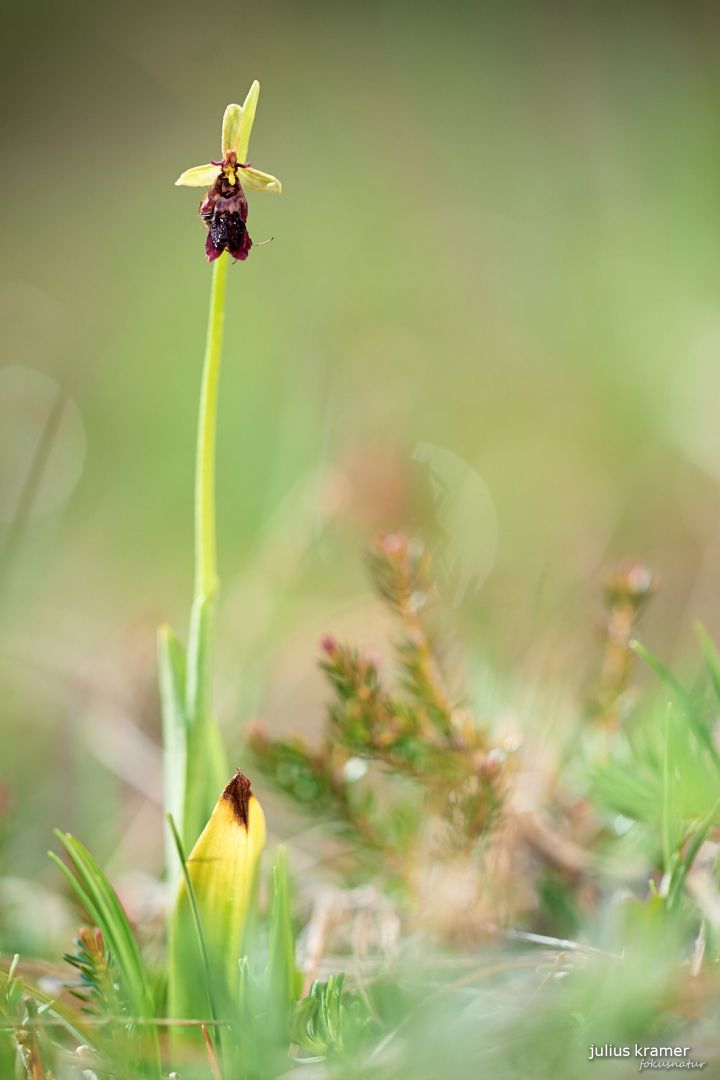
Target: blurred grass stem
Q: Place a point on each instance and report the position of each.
(33, 481)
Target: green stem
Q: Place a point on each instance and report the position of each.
(205, 763)
(206, 580)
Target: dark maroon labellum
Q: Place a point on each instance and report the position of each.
(224, 210)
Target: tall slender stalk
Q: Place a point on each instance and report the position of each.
(205, 759)
(194, 760)
(206, 581)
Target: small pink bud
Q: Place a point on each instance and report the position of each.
(328, 644)
(393, 543)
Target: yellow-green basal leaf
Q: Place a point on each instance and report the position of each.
(222, 870)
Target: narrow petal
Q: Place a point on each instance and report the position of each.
(201, 176)
(247, 120)
(254, 180)
(232, 120)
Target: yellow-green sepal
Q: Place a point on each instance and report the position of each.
(255, 180)
(231, 125)
(237, 124)
(247, 119)
(199, 176)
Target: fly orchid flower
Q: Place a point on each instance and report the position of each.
(224, 208)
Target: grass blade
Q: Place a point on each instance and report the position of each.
(281, 965)
(171, 679)
(684, 698)
(202, 946)
(712, 658)
(102, 905)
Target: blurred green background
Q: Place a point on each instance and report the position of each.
(489, 316)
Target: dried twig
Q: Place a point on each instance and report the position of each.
(212, 1056)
